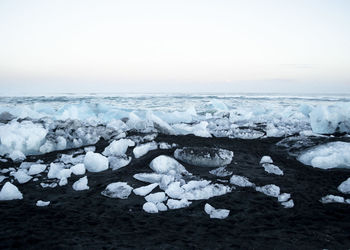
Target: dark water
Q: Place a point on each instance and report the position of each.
(88, 220)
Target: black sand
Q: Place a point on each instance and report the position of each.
(88, 220)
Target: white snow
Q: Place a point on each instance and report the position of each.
(10, 192)
(143, 149)
(150, 207)
(216, 213)
(266, 159)
(36, 169)
(269, 190)
(119, 190)
(118, 148)
(164, 165)
(272, 169)
(177, 204)
(241, 181)
(41, 203)
(344, 187)
(81, 184)
(156, 197)
(21, 176)
(78, 169)
(143, 191)
(326, 156)
(95, 162)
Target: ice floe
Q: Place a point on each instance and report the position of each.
(216, 213)
(204, 157)
(326, 156)
(120, 190)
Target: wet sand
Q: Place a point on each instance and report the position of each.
(88, 220)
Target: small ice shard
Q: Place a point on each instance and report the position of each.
(216, 213)
(266, 159)
(148, 177)
(17, 156)
(63, 182)
(241, 181)
(204, 157)
(164, 165)
(283, 197)
(119, 190)
(21, 176)
(10, 192)
(288, 204)
(118, 148)
(143, 149)
(41, 203)
(161, 207)
(78, 169)
(145, 190)
(81, 184)
(150, 207)
(220, 172)
(156, 197)
(117, 162)
(326, 156)
(332, 199)
(344, 187)
(95, 162)
(177, 204)
(50, 185)
(36, 169)
(269, 190)
(272, 169)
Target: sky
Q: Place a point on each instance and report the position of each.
(228, 46)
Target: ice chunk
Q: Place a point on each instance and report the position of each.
(164, 165)
(329, 155)
(164, 145)
(41, 203)
(272, 169)
(161, 207)
(288, 204)
(2, 178)
(81, 184)
(78, 169)
(150, 207)
(241, 181)
(174, 190)
(50, 185)
(10, 192)
(54, 170)
(216, 213)
(165, 181)
(61, 143)
(95, 162)
(206, 192)
(17, 155)
(159, 124)
(283, 197)
(90, 148)
(269, 190)
(118, 162)
(144, 149)
(156, 197)
(177, 204)
(63, 181)
(36, 169)
(68, 159)
(148, 177)
(199, 129)
(266, 159)
(21, 176)
(142, 191)
(332, 199)
(119, 190)
(204, 157)
(344, 187)
(220, 172)
(118, 148)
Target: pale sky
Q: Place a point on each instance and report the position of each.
(174, 46)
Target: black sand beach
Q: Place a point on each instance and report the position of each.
(88, 220)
